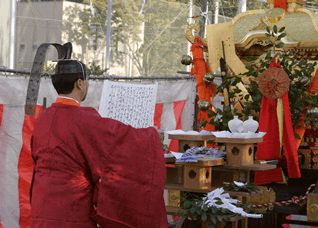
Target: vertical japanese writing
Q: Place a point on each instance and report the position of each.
(132, 104)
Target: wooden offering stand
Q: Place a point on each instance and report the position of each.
(239, 151)
(175, 174)
(189, 141)
(195, 177)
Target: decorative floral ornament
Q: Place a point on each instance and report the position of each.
(273, 83)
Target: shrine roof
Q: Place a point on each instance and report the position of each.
(301, 27)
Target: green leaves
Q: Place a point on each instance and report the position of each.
(297, 136)
(275, 36)
(211, 113)
(249, 208)
(269, 41)
(249, 187)
(187, 203)
(281, 36)
(94, 69)
(205, 207)
(203, 123)
(268, 55)
(214, 210)
(280, 45)
(193, 206)
(282, 29)
(164, 146)
(251, 58)
(220, 218)
(213, 219)
(204, 217)
(275, 29)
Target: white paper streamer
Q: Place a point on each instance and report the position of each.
(227, 202)
(240, 184)
(205, 14)
(92, 7)
(142, 7)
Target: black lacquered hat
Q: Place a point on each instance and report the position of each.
(70, 66)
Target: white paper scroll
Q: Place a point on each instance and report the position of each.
(131, 104)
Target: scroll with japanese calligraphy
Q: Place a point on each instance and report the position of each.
(131, 104)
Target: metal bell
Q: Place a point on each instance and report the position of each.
(208, 78)
(186, 60)
(312, 110)
(204, 105)
(304, 81)
(207, 82)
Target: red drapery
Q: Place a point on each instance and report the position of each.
(199, 69)
(280, 4)
(270, 147)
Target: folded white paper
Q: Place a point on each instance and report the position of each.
(177, 155)
(240, 184)
(227, 203)
(175, 132)
(191, 133)
(181, 132)
(248, 135)
(204, 132)
(222, 134)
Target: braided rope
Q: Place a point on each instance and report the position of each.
(190, 218)
(294, 200)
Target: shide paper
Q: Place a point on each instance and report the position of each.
(228, 202)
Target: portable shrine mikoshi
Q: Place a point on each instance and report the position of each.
(249, 40)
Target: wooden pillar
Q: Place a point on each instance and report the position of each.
(237, 176)
(219, 225)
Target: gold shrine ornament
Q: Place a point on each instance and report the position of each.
(273, 83)
(275, 15)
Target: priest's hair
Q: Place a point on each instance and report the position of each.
(67, 72)
(65, 83)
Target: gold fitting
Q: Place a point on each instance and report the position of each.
(300, 2)
(260, 162)
(275, 15)
(313, 208)
(223, 73)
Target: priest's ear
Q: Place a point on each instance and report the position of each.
(79, 84)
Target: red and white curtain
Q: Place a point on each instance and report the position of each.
(174, 110)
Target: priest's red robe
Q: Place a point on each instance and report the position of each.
(72, 149)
